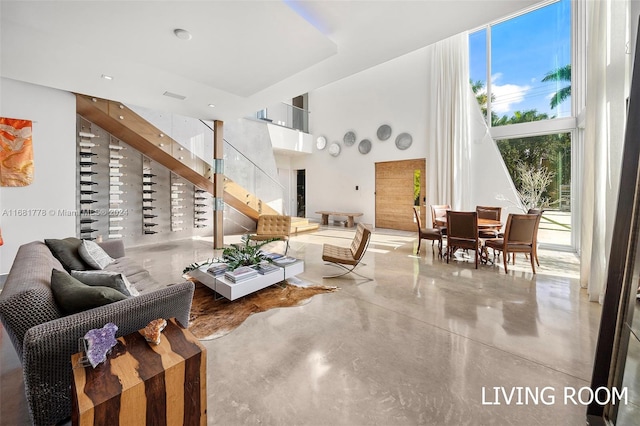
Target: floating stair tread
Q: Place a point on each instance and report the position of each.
(303, 225)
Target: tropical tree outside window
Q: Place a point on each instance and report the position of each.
(520, 72)
(530, 67)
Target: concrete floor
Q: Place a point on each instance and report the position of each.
(425, 342)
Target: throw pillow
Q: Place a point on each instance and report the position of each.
(72, 296)
(94, 255)
(109, 279)
(130, 287)
(66, 251)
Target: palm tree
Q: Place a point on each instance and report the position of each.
(481, 97)
(559, 75)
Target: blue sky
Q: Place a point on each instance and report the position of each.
(524, 49)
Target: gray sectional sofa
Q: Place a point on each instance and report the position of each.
(44, 338)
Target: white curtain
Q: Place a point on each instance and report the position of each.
(448, 138)
(607, 67)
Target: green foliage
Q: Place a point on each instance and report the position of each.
(245, 254)
(537, 153)
(481, 96)
(236, 255)
(559, 75)
(518, 117)
(553, 152)
(562, 74)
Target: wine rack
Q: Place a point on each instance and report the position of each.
(201, 202)
(123, 194)
(149, 216)
(87, 184)
(177, 203)
(116, 189)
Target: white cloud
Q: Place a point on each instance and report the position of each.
(506, 95)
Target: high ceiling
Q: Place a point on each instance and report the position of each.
(242, 56)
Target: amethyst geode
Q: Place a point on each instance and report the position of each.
(99, 343)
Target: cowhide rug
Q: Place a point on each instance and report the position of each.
(210, 318)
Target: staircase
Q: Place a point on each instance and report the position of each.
(132, 129)
(301, 224)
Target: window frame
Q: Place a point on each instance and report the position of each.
(564, 123)
(573, 124)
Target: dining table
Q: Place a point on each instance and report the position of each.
(482, 223)
(485, 224)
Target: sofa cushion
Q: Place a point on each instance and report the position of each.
(66, 251)
(72, 296)
(110, 279)
(143, 282)
(94, 255)
(136, 274)
(126, 265)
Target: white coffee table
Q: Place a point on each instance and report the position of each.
(232, 291)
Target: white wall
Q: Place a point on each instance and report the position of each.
(293, 140)
(53, 113)
(393, 93)
(491, 184)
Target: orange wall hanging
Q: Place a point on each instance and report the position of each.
(16, 152)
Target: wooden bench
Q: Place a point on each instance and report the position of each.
(350, 217)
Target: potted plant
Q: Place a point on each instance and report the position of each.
(245, 254)
(236, 255)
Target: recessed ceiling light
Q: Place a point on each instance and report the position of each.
(212, 106)
(182, 34)
(106, 77)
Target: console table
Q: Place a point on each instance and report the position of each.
(350, 217)
(232, 291)
(141, 383)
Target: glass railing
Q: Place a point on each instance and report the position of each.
(190, 140)
(285, 115)
(252, 178)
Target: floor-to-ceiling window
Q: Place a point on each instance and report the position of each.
(520, 71)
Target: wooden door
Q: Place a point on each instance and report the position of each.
(396, 193)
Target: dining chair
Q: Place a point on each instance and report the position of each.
(519, 237)
(439, 211)
(462, 232)
(433, 234)
(539, 213)
(487, 212)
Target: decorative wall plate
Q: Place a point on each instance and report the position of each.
(349, 138)
(321, 142)
(384, 132)
(334, 149)
(404, 140)
(364, 146)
